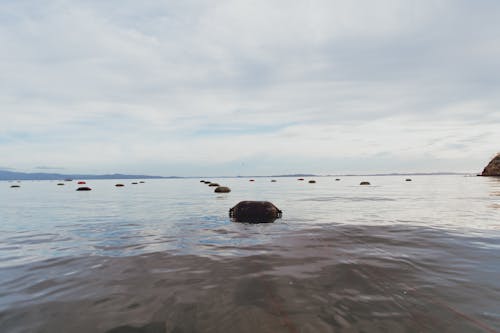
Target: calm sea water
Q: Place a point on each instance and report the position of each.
(420, 256)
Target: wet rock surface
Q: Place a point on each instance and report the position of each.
(255, 212)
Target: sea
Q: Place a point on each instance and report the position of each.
(164, 256)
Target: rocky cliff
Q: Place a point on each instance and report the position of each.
(493, 168)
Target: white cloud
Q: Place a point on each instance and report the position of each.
(169, 87)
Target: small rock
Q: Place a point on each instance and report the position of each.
(15, 186)
(408, 179)
(134, 183)
(222, 189)
(213, 184)
(119, 185)
(337, 179)
(301, 179)
(273, 180)
(81, 183)
(60, 184)
(85, 188)
(364, 183)
(312, 182)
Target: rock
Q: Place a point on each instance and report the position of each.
(251, 180)
(202, 181)
(119, 185)
(364, 183)
(81, 183)
(85, 188)
(213, 184)
(301, 179)
(60, 184)
(312, 182)
(222, 189)
(207, 182)
(142, 182)
(337, 179)
(493, 168)
(273, 180)
(408, 180)
(68, 180)
(134, 183)
(15, 186)
(255, 212)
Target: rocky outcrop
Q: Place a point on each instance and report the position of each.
(493, 168)
(255, 212)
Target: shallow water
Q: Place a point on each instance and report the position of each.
(420, 256)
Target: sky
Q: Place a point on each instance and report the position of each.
(200, 88)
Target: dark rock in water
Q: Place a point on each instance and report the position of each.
(408, 180)
(222, 189)
(207, 182)
(60, 184)
(81, 183)
(202, 181)
(68, 180)
(134, 183)
(213, 184)
(251, 180)
(255, 212)
(85, 188)
(312, 182)
(337, 179)
(493, 168)
(15, 186)
(301, 179)
(142, 182)
(364, 183)
(119, 185)
(273, 180)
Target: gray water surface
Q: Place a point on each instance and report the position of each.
(163, 256)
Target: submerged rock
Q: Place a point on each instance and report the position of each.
(81, 183)
(301, 179)
(255, 212)
(493, 168)
(15, 186)
(134, 183)
(251, 180)
(213, 184)
(408, 180)
(337, 179)
(222, 189)
(364, 183)
(85, 188)
(312, 182)
(60, 184)
(119, 185)
(142, 182)
(273, 180)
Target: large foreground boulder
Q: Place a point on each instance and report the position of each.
(493, 168)
(255, 212)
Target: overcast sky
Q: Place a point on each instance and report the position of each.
(249, 87)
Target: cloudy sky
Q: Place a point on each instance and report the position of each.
(249, 87)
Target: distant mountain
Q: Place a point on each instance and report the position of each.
(11, 175)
